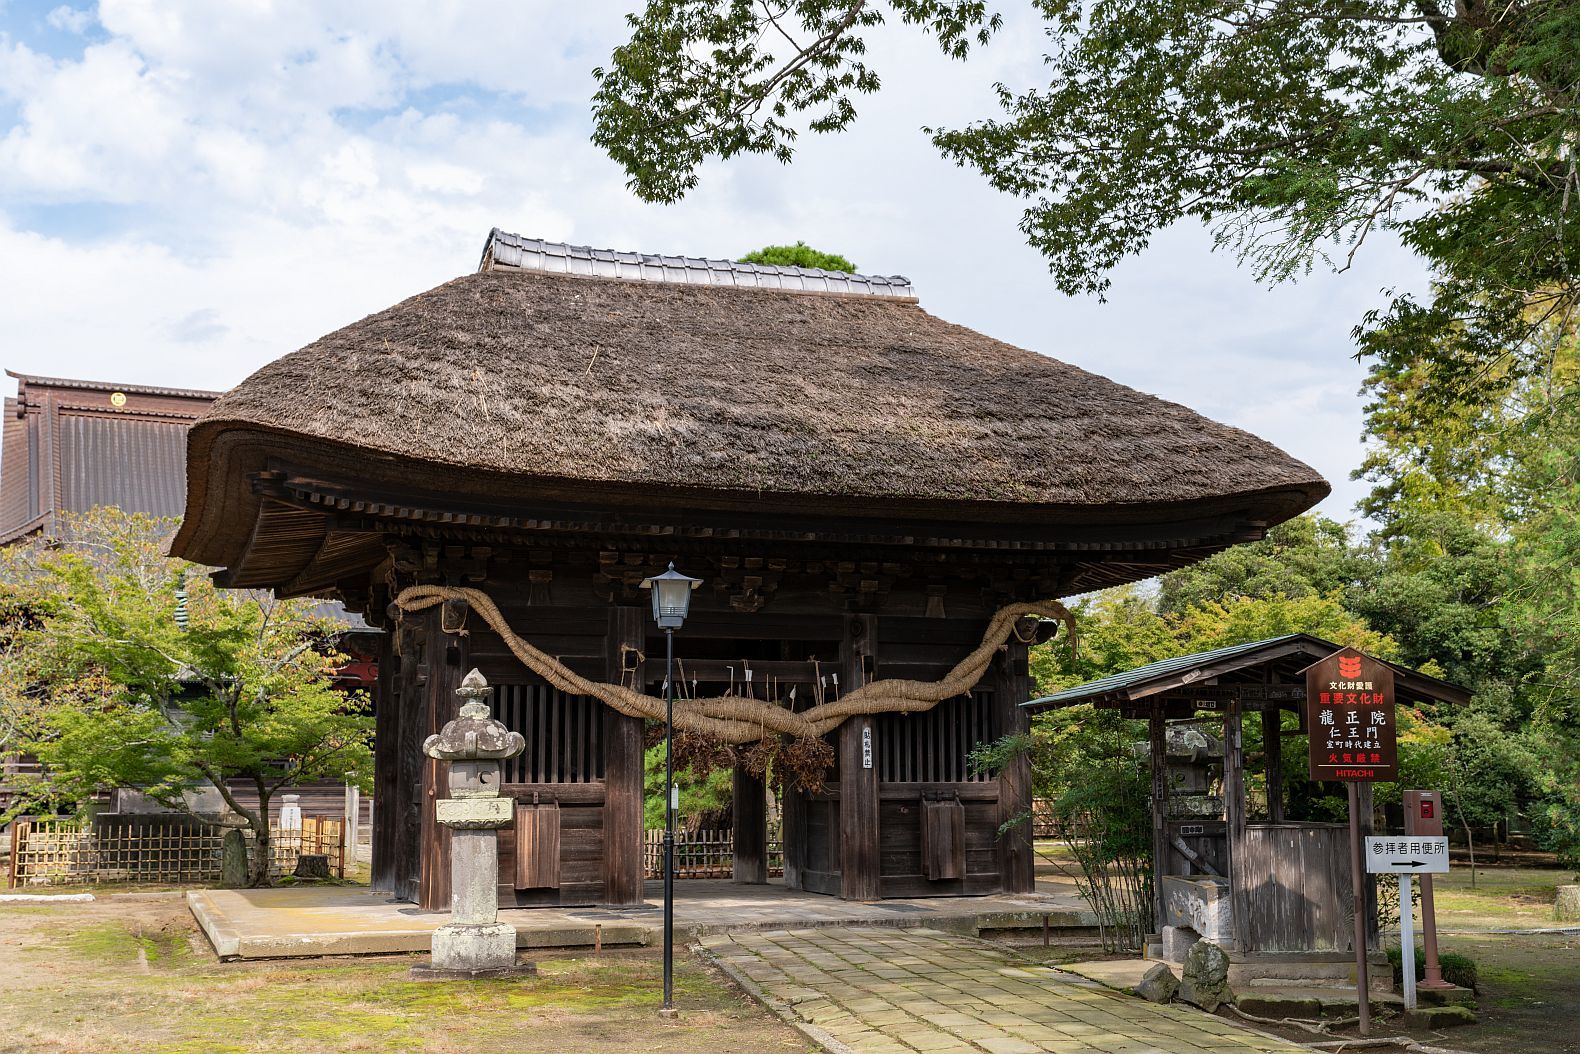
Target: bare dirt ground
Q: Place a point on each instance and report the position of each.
(129, 976)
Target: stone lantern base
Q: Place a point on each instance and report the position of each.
(463, 952)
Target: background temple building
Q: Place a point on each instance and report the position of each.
(861, 485)
(70, 446)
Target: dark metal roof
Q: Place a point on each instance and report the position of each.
(138, 465)
(71, 446)
(535, 254)
(1211, 667)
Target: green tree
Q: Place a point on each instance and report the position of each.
(131, 669)
(799, 255)
(1294, 129)
(1306, 556)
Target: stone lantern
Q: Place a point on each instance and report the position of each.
(474, 943)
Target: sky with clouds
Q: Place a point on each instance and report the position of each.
(189, 189)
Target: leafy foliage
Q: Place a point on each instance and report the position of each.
(108, 689)
(1293, 129)
(799, 255)
(1083, 760)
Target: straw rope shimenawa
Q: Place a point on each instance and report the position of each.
(736, 719)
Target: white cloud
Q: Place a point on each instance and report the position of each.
(294, 165)
(70, 19)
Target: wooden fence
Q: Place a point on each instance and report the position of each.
(66, 852)
(1043, 822)
(703, 854)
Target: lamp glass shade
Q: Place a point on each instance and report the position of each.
(671, 597)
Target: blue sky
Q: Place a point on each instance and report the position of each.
(190, 189)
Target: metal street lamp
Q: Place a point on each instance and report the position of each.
(671, 602)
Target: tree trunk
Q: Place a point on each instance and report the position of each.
(1470, 844)
(263, 847)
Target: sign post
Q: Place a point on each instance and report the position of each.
(1423, 814)
(1411, 855)
(1353, 739)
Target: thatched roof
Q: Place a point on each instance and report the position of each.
(712, 388)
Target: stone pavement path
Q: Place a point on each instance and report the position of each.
(889, 991)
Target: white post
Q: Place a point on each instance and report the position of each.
(1407, 939)
(353, 817)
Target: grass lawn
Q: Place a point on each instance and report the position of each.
(1503, 897)
(133, 975)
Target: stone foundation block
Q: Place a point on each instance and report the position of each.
(1435, 1017)
(472, 948)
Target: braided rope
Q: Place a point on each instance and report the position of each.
(736, 719)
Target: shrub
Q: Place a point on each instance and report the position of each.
(1457, 969)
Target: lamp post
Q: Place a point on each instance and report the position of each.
(671, 602)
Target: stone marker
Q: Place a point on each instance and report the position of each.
(1567, 906)
(1158, 984)
(311, 867)
(1205, 978)
(233, 859)
(474, 943)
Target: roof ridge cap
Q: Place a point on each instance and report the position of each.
(508, 250)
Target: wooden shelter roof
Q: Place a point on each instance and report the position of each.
(1239, 664)
(504, 389)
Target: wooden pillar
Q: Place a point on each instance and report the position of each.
(1011, 687)
(792, 833)
(386, 748)
(404, 814)
(750, 804)
(1158, 750)
(1234, 809)
(859, 859)
(1273, 760)
(623, 765)
(446, 662)
(1363, 798)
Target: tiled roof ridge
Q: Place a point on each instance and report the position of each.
(536, 254)
(108, 386)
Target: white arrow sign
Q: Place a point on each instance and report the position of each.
(1413, 855)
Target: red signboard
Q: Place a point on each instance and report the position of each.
(1350, 719)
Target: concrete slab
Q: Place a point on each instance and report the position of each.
(1120, 974)
(341, 920)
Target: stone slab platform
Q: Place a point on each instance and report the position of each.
(304, 922)
(922, 991)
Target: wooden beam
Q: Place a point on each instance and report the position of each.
(407, 793)
(859, 860)
(750, 804)
(386, 748)
(1234, 810)
(1157, 740)
(623, 764)
(1273, 760)
(446, 655)
(1011, 687)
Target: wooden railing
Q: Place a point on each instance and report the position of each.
(703, 854)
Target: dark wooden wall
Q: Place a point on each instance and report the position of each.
(859, 837)
(1293, 883)
(916, 758)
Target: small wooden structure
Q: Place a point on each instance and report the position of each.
(862, 486)
(1288, 882)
